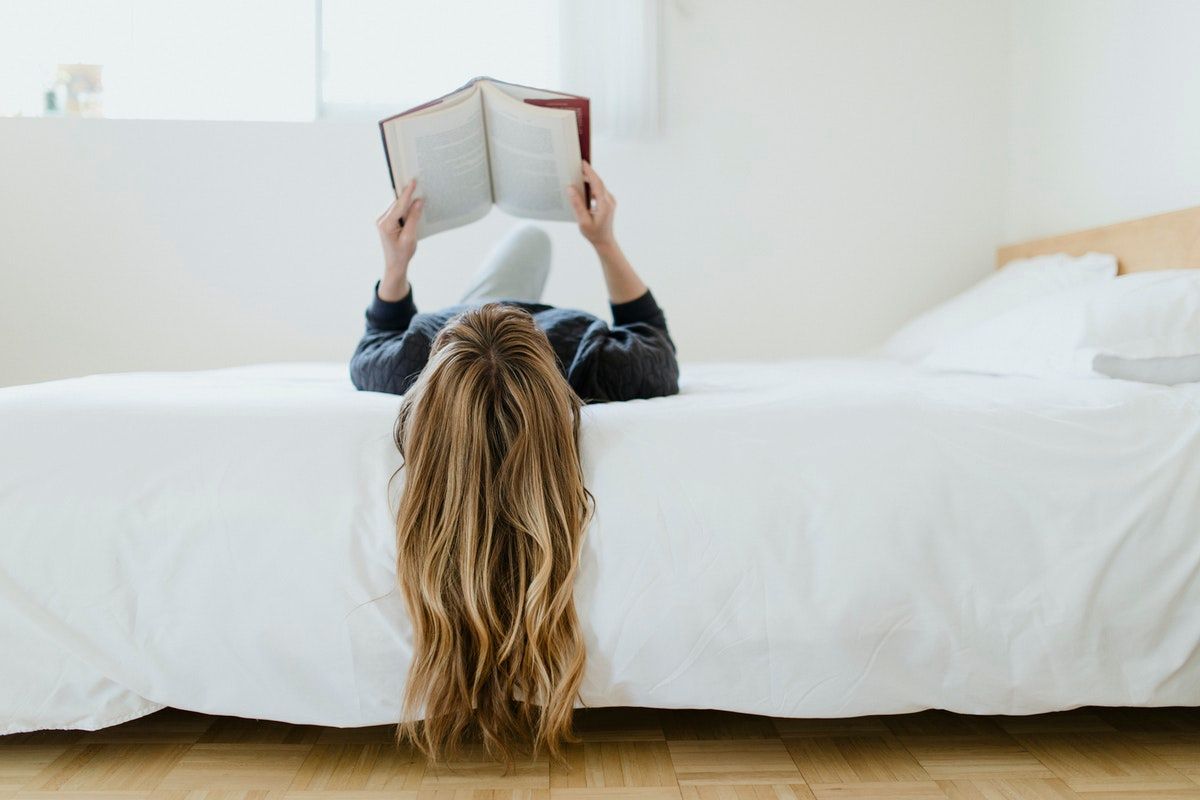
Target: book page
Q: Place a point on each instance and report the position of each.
(534, 156)
(522, 92)
(446, 150)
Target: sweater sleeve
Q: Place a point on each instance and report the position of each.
(390, 354)
(643, 309)
(633, 359)
(391, 316)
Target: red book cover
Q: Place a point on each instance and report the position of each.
(581, 107)
(583, 121)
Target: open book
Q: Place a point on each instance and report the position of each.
(490, 142)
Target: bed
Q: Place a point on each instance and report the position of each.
(821, 538)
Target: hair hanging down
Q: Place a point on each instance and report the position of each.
(489, 527)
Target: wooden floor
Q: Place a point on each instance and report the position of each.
(1098, 754)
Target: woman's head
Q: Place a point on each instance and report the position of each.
(488, 528)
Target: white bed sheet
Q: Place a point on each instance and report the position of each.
(819, 538)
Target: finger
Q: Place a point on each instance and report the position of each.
(602, 203)
(400, 205)
(591, 176)
(405, 198)
(413, 218)
(575, 198)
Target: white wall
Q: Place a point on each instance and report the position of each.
(1105, 113)
(826, 169)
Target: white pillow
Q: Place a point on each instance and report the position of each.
(1169, 371)
(1014, 284)
(1149, 315)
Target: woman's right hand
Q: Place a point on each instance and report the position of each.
(398, 236)
(595, 223)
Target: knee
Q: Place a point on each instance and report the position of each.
(532, 243)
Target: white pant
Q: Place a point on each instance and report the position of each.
(516, 269)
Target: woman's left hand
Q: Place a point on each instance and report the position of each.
(398, 235)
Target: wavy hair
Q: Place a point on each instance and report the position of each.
(488, 529)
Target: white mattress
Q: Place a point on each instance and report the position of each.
(821, 538)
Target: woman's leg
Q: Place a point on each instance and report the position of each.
(516, 269)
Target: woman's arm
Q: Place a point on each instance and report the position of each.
(390, 354)
(635, 358)
(596, 225)
(387, 357)
(398, 235)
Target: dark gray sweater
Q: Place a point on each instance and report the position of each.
(634, 358)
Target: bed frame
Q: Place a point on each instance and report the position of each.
(1164, 241)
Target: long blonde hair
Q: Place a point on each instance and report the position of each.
(488, 531)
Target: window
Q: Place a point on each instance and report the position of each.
(320, 59)
(386, 56)
(262, 59)
(164, 59)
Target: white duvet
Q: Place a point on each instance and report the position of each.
(821, 538)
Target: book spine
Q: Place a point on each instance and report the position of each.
(388, 157)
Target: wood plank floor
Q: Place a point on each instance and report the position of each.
(1093, 753)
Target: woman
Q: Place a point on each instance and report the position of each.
(494, 507)
(635, 358)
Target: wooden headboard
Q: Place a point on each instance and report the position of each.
(1164, 241)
